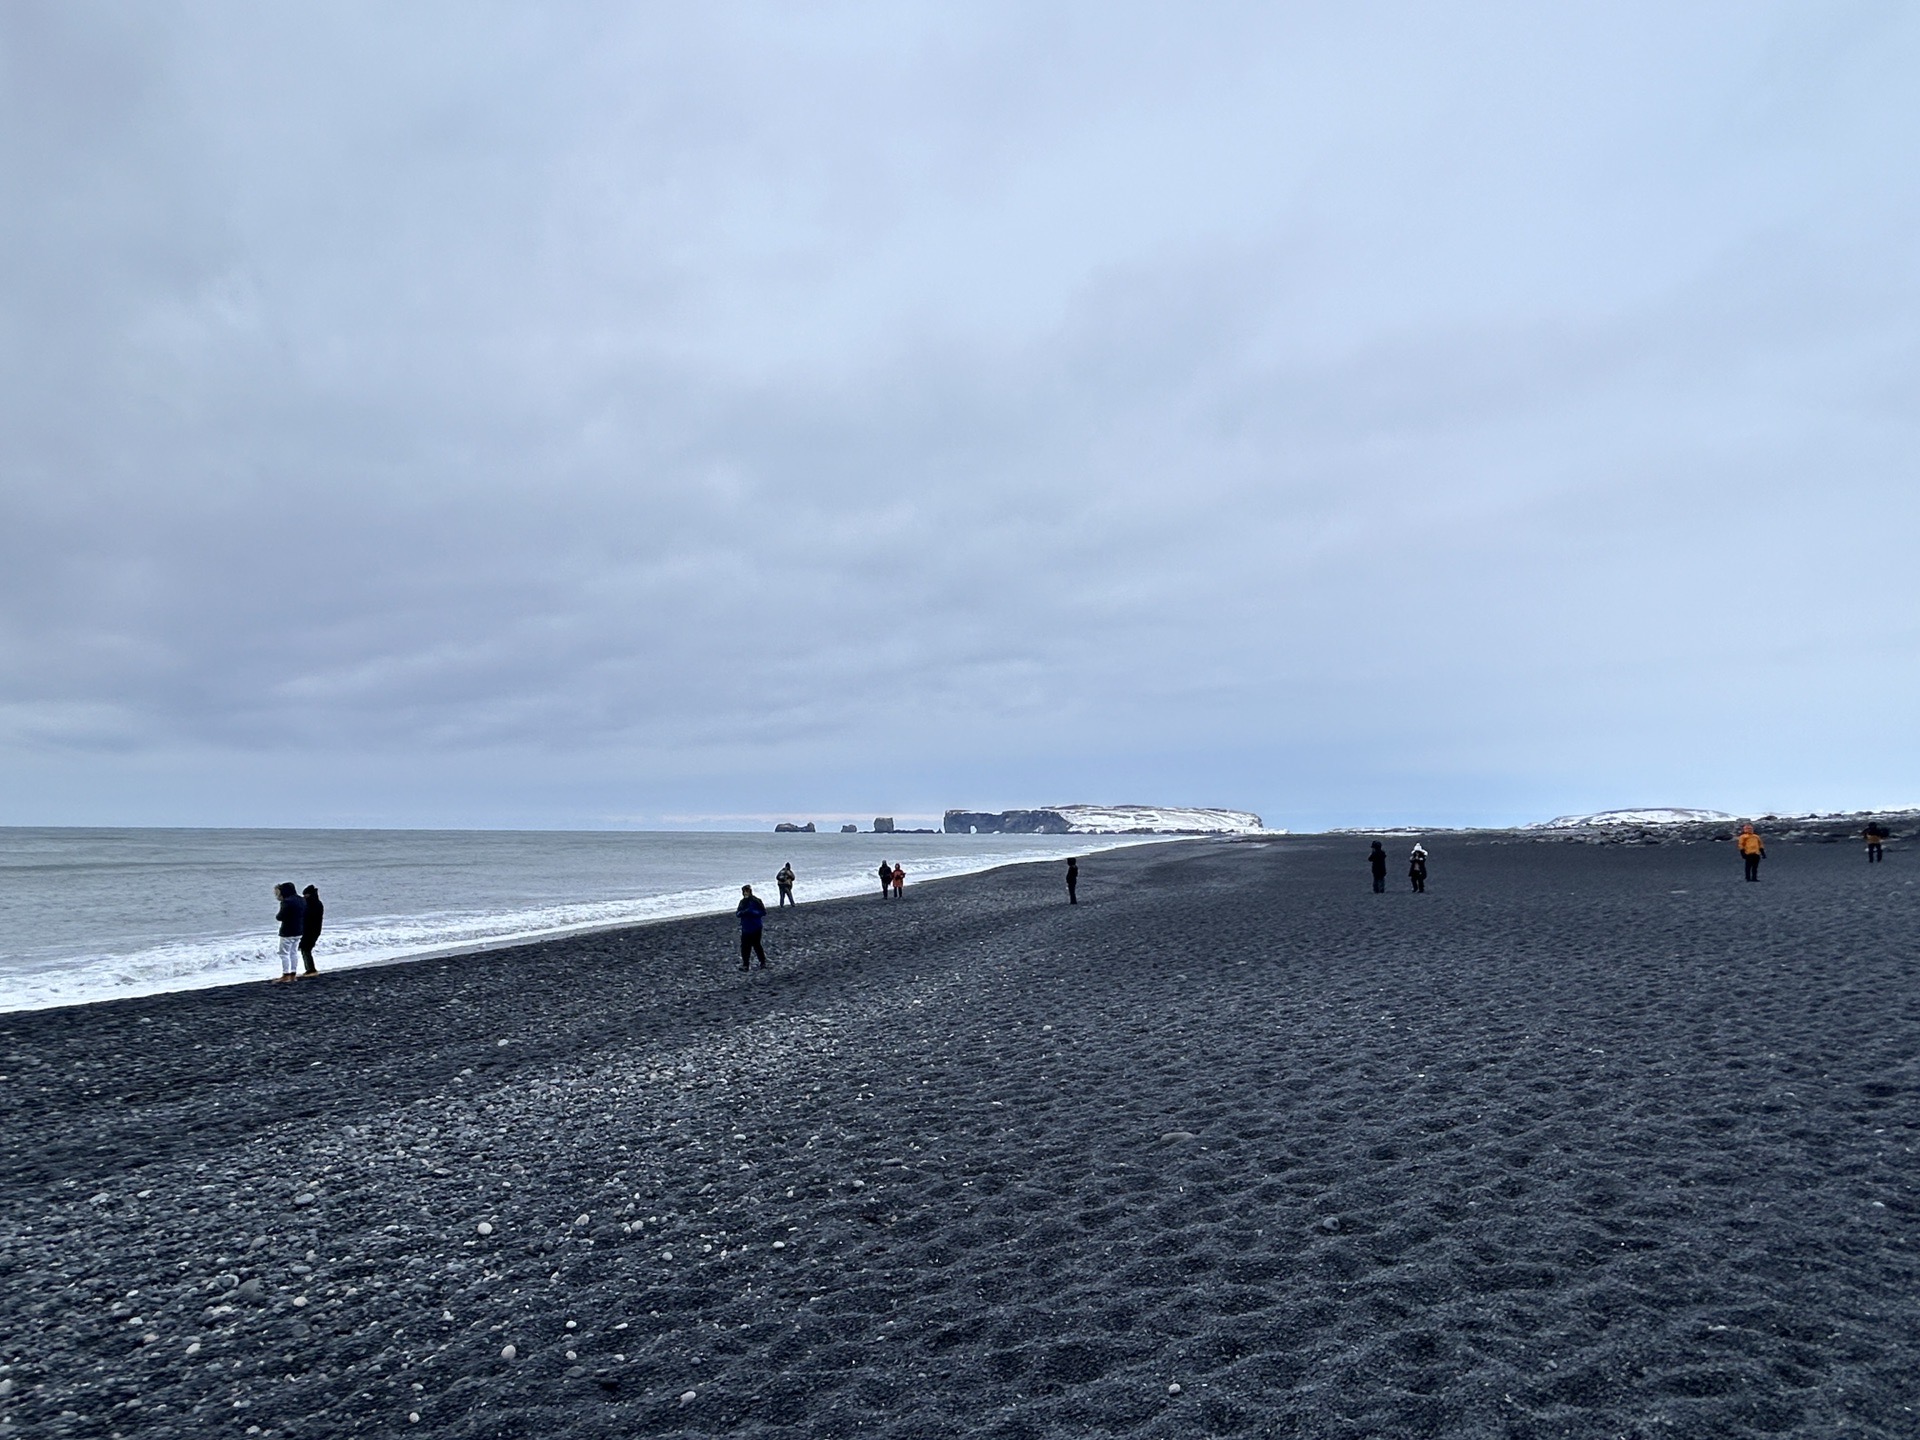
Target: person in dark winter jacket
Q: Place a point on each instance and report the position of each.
(1377, 862)
(752, 913)
(1876, 835)
(886, 879)
(292, 918)
(310, 926)
(1417, 868)
(785, 881)
(1073, 881)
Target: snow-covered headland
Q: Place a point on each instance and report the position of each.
(1105, 820)
(1662, 815)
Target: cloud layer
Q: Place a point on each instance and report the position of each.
(460, 416)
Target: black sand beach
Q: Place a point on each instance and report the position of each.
(1585, 1141)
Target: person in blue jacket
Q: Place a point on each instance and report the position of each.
(752, 912)
(293, 920)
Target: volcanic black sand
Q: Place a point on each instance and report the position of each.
(1589, 1142)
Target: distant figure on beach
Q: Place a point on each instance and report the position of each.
(292, 918)
(310, 926)
(1417, 868)
(1876, 833)
(785, 881)
(752, 911)
(1752, 850)
(1073, 880)
(1377, 859)
(886, 879)
(899, 878)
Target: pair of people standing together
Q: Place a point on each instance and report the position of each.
(894, 877)
(1416, 868)
(301, 916)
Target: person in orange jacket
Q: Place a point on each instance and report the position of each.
(1752, 850)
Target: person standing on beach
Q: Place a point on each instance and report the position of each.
(886, 878)
(1377, 860)
(1417, 868)
(899, 879)
(785, 881)
(1875, 834)
(752, 911)
(1752, 850)
(1073, 880)
(310, 926)
(292, 917)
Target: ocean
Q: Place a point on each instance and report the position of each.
(93, 914)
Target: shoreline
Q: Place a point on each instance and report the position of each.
(677, 905)
(1586, 1141)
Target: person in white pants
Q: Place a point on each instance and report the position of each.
(292, 917)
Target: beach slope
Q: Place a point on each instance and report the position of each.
(1586, 1141)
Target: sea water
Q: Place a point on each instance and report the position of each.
(91, 914)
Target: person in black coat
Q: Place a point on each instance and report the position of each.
(752, 915)
(1417, 869)
(1073, 881)
(310, 927)
(1377, 860)
(292, 916)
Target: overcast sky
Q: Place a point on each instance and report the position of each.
(651, 415)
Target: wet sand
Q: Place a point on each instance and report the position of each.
(1585, 1141)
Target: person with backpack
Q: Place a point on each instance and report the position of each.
(1073, 880)
(1752, 851)
(752, 914)
(785, 881)
(1377, 862)
(1417, 868)
(293, 918)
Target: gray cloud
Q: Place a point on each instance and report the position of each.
(498, 418)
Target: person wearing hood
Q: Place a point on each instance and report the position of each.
(751, 912)
(1752, 850)
(1377, 861)
(310, 926)
(293, 918)
(785, 881)
(886, 879)
(1417, 868)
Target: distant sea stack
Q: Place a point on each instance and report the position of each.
(1103, 820)
(787, 827)
(883, 825)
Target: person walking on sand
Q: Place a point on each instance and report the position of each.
(310, 926)
(1377, 861)
(292, 916)
(886, 878)
(1875, 834)
(1073, 880)
(752, 911)
(1417, 868)
(785, 881)
(1752, 850)
(899, 878)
